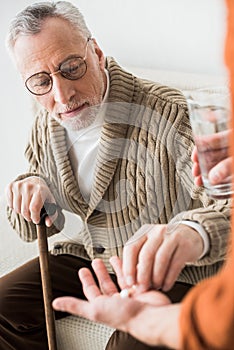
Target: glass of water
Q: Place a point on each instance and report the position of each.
(209, 111)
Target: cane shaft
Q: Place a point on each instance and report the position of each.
(46, 286)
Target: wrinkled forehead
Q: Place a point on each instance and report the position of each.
(55, 42)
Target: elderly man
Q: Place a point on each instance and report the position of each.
(115, 150)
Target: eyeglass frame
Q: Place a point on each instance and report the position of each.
(50, 75)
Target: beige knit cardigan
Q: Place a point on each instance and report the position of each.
(143, 175)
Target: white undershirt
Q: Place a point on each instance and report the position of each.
(83, 148)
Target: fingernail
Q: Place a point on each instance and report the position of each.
(58, 306)
(129, 281)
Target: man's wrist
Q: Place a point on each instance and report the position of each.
(200, 230)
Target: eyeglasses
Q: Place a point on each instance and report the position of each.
(72, 68)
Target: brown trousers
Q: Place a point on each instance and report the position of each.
(22, 323)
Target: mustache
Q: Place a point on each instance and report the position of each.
(72, 105)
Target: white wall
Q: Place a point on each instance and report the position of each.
(181, 35)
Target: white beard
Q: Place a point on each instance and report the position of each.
(82, 120)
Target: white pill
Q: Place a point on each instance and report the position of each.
(124, 293)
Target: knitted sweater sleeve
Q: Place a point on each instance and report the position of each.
(190, 202)
(212, 215)
(35, 153)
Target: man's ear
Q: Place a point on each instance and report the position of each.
(99, 53)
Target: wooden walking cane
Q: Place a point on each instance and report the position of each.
(47, 210)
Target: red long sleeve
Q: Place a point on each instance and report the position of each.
(207, 318)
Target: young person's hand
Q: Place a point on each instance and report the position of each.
(149, 317)
(220, 173)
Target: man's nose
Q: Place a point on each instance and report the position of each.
(63, 89)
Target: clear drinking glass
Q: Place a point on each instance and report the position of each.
(209, 111)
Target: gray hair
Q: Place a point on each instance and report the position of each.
(30, 20)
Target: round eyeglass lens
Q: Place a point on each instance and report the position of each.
(39, 84)
(73, 68)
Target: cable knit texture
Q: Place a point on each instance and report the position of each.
(143, 175)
